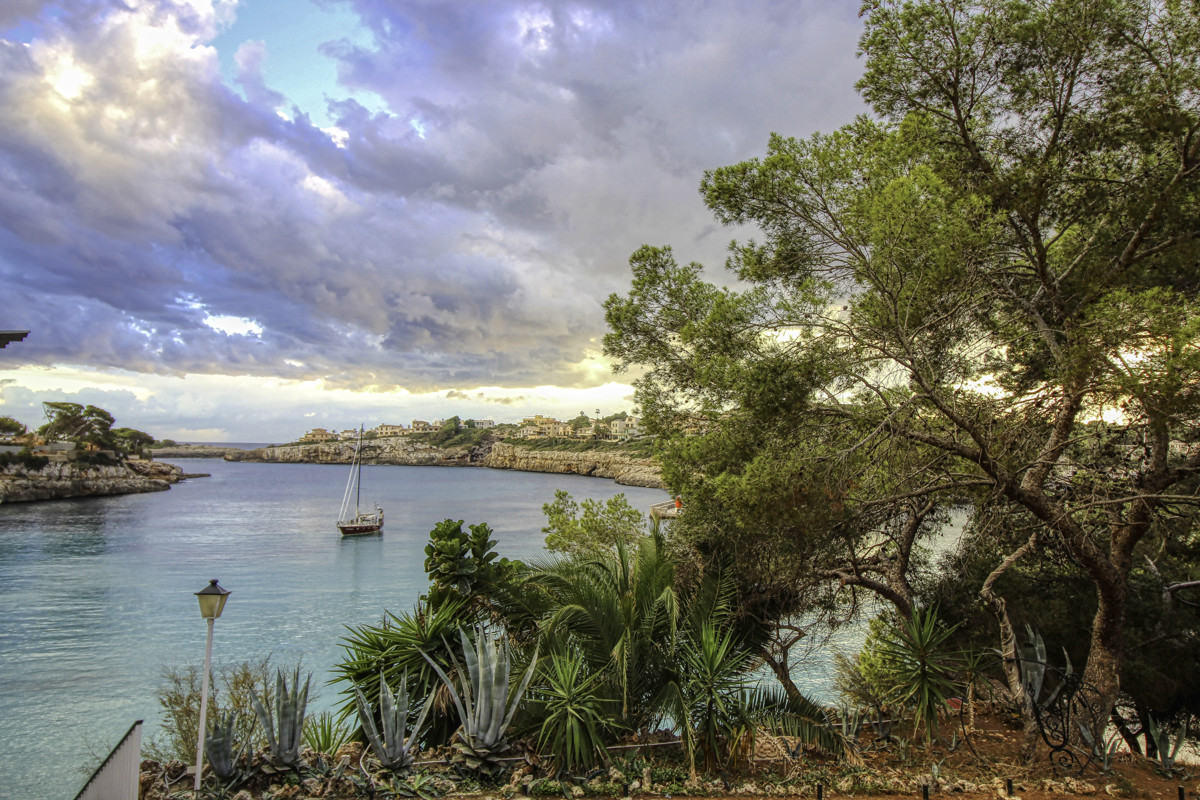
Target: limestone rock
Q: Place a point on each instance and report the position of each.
(60, 479)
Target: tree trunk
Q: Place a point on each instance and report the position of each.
(1008, 652)
(1104, 659)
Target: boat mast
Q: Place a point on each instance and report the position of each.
(358, 482)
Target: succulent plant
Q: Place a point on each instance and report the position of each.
(484, 703)
(221, 747)
(284, 732)
(392, 749)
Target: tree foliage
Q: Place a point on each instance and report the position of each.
(943, 299)
(72, 422)
(593, 526)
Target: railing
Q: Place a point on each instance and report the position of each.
(668, 509)
(117, 777)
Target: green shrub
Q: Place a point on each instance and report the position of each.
(230, 692)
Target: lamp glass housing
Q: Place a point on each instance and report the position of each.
(212, 600)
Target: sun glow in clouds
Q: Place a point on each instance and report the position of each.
(233, 326)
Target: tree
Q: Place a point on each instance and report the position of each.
(600, 525)
(947, 294)
(10, 426)
(129, 440)
(73, 422)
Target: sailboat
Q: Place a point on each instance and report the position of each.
(359, 522)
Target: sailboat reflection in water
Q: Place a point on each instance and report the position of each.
(359, 522)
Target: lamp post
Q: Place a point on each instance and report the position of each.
(212, 603)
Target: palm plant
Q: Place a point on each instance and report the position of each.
(620, 612)
(574, 717)
(799, 717)
(393, 749)
(483, 700)
(285, 729)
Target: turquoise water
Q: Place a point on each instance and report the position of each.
(96, 595)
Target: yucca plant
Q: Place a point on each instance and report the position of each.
(323, 733)
(485, 705)
(712, 683)
(284, 731)
(574, 717)
(920, 667)
(394, 751)
(220, 745)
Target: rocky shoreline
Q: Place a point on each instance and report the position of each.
(60, 480)
(63, 479)
(624, 469)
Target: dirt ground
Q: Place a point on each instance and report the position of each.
(985, 764)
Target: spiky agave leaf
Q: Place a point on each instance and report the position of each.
(284, 739)
(393, 749)
(220, 746)
(483, 701)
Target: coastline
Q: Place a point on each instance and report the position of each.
(67, 479)
(623, 468)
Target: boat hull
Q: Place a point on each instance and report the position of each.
(362, 524)
(359, 529)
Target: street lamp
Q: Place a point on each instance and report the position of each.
(212, 603)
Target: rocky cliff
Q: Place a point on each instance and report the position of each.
(59, 480)
(193, 451)
(622, 468)
(395, 450)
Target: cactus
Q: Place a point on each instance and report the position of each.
(482, 699)
(284, 738)
(392, 749)
(220, 747)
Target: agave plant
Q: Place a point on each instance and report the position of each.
(1167, 752)
(221, 747)
(393, 750)
(397, 647)
(284, 732)
(484, 703)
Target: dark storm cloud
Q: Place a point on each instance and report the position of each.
(467, 236)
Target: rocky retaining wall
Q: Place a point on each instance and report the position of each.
(59, 480)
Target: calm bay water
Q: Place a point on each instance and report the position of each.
(96, 594)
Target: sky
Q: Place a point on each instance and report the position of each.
(235, 221)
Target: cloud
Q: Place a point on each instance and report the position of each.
(465, 236)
